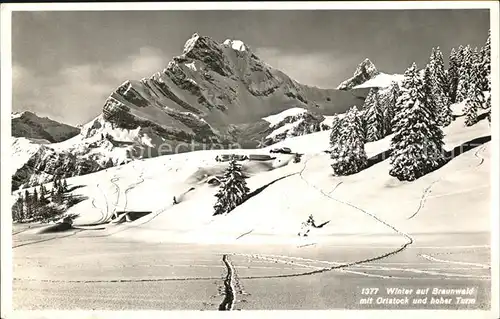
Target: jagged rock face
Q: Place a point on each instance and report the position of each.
(46, 163)
(365, 71)
(29, 125)
(213, 93)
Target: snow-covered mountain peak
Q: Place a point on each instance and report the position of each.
(190, 43)
(366, 67)
(237, 45)
(367, 76)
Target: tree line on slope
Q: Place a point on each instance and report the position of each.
(43, 205)
(415, 114)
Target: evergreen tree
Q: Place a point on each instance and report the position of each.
(233, 190)
(35, 196)
(43, 195)
(485, 65)
(28, 205)
(417, 144)
(374, 117)
(348, 154)
(474, 102)
(17, 209)
(336, 125)
(390, 106)
(453, 72)
(64, 185)
(464, 74)
(435, 83)
(440, 73)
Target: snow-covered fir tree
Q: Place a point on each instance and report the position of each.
(233, 189)
(485, 65)
(389, 105)
(475, 101)
(453, 71)
(417, 144)
(335, 132)
(464, 74)
(435, 82)
(348, 154)
(373, 116)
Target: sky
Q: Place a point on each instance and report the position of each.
(65, 64)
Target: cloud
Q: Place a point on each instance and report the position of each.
(76, 94)
(316, 69)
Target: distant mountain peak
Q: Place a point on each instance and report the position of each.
(29, 125)
(366, 67)
(365, 71)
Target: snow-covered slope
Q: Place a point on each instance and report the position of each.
(381, 80)
(441, 201)
(29, 125)
(209, 95)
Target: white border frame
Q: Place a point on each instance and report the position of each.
(6, 106)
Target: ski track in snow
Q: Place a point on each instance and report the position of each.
(409, 239)
(427, 191)
(93, 204)
(431, 258)
(229, 287)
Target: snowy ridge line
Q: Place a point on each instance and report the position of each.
(431, 258)
(230, 291)
(427, 190)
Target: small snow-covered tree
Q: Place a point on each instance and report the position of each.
(417, 144)
(233, 189)
(373, 116)
(389, 105)
(28, 205)
(18, 209)
(348, 154)
(475, 101)
(335, 132)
